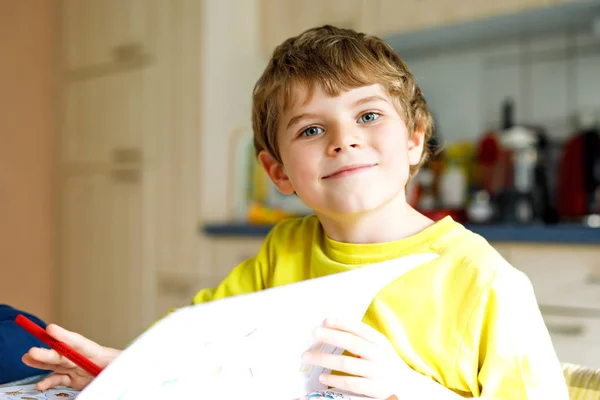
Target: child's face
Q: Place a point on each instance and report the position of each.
(343, 155)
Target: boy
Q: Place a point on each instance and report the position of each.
(339, 121)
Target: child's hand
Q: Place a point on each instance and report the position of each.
(66, 373)
(376, 371)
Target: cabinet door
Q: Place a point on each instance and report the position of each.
(102, 121)
(400, 16)
(102, 180)
(575, 339)
(283, 19)
(102, 277)
(128, 167)
(562, 275)
(98, 32)
(176, 289)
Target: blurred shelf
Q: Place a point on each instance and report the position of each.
(561, 233)
(573, 15)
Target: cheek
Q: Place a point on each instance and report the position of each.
(393, 151)
(302, 175)
(300, 162)
(393, 147)
(299, 168)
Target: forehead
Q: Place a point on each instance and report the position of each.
(300, 96)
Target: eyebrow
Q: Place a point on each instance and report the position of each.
(299, 117)
(369, 99)
(364, 100)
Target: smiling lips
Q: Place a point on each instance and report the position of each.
(349, 170)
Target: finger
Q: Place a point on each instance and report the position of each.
(353, 384)
(80, 343)
(50, 357)
(27, 360)
(357, 328)
(347, 341)
(53, 381)
(348, 364)
(30, 362)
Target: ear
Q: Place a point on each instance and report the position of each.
(276, 172)
(416, 143)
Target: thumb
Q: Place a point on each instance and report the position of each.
(78, 342)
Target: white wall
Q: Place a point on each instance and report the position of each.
(550, 77)
(231, 65)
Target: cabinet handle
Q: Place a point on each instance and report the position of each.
(126, 175)
(566, 329)
(127, 155)
(129, 52)
(175, 286)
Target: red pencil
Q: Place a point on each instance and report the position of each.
(60, 347)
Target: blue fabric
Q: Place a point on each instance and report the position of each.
(14, 342)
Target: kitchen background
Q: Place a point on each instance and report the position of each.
(126, 176)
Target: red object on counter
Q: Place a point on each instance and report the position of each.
(573, 194)
(493, 161)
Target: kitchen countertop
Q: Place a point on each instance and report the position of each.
(561, 233)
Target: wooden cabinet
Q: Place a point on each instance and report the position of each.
(102, 181)
(128, 155)
(576, 339)
(401, 16)
(283, 19)
(563, 276)
(97, 33)
(566, 281)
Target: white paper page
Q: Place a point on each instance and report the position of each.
(244, 347)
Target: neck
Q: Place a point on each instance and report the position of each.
(394, 221)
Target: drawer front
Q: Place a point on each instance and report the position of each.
(561, 275)
(576, 339)
(176, 289)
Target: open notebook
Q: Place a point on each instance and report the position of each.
(248, 346)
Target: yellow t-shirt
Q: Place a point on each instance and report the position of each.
(467, 319)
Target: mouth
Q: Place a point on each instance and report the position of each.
(349, 170)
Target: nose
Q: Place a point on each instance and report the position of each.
(343, 139)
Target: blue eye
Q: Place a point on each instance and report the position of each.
(312, 131)
(369, 117)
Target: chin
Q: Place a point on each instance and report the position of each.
(353, 202)
(355, 205)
